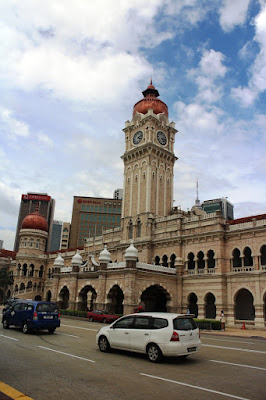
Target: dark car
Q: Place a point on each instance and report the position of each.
(101, 316)
(32, 315)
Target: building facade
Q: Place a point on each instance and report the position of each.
(162, 257)
(91, 216)
(28, 205)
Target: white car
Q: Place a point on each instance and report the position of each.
(157, 334)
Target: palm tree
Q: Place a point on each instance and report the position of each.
(6, 278)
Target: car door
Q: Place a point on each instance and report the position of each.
(15, 314)
(140, 333)
(120, 332)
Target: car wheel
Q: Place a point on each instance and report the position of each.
(5, 324)
(154, 353)
(90, 319)
(25, 328)
(104, 320)
(103, 344)
(51, 330)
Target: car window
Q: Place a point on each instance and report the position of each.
(46, 307)
(24, 306)
(17, 306)
(184, 324)
(124, 323)
(142, 322)
(159, 323)
(30, 307)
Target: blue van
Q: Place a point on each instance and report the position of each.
(32, 315)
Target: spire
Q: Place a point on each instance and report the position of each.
(197, 202)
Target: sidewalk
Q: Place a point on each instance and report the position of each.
(238, 332)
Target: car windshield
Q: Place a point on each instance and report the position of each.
(46, 307)
(184, 324)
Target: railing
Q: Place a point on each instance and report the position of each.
(201, 271)
(243, 269)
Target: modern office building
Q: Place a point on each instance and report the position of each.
(56, 235)
(28, 204)
(91, 216)
(223, 205)
(118, 194)
(65, 236)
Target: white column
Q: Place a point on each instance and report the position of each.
(123, 200)
(165, 190)
(157, 189)
(131, 192)
(139, 176)
(148, 189)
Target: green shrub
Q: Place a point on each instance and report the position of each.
(208, 324)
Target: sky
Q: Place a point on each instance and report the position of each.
(71, 72)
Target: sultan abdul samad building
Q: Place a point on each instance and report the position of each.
(160, 256)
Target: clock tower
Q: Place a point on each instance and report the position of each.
(148, 165)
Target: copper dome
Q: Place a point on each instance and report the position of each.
(35, 221)
(150, 100)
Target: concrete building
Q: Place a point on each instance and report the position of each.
(222, 205)
(91, 216)
(118, 194)
(64, 244)
(163, 257)
(28, 205)
(56, 235)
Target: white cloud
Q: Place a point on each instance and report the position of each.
(46, 140)
(233, 13)
(257, 82)
(12, 126)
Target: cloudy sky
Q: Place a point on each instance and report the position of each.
(71, 71)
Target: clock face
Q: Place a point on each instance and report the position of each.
(161, 138)
(137, 138)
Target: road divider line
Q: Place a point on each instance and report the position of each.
(238, 365)
(66, 354)
(227, 340)
(79, 327)
(12, 393)
(234, 348)
(67, 334)
(9, 337)
(195, 387)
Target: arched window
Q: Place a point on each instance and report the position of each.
(22, 286)
(236, 259)
(211, 260)
(41, 271)
(263, 255)
(172, 262)
(157, 260)
(38, 243)
(165, 260)
(191, 261)
(24, 270)
(31, 242)
(31, 270)
(49, 273)
(130, 230)
(201, 261)
(248, 259)
(138, 228)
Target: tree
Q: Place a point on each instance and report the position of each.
(6, 278)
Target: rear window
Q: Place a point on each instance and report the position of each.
(46, 307)
(184, 324)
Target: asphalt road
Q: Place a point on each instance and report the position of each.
(68, 365)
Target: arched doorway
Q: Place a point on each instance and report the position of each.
(210, 307)
(244, 308)
(115, 300)
(192, 304)
(63, 298)
(155, 298)
(87, 297)
(38, 297)
(48, 295)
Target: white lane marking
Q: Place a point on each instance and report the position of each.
(234, 348)
(238, 365)
(195, 387)
(67, 334)
(66, 354)
(79, 327)
(229, 340)
(8, 337)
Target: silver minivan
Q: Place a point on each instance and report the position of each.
(157, 334)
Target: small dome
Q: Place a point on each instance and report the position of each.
(105, 256)
(76, 259)
(150, 101)
(131, 252)
(59, 261)
(35, 221)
